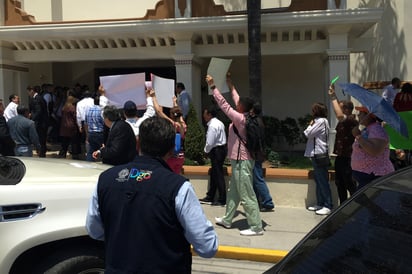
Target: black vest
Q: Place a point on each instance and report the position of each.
(137, 207)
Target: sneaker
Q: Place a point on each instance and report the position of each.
(219, 221)
(206, 201)
(267, 209)
(250, 232)
(323, 211)
(314, 208)
(218, 204)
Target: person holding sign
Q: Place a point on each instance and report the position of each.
(176, 119)
(130, 113)
(241, 181)
(343, 145)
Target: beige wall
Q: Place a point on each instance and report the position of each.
(232, 5)
(388, 56)
(108, 9)
(290, 84)
(89, 9)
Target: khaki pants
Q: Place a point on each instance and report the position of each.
(241, 191)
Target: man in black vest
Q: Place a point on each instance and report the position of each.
(147, 215)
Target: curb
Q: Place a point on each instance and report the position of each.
(250, 254)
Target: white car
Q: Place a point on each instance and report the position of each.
(43, 207)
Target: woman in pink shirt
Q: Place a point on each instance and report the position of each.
(370, 151)
(241, 182)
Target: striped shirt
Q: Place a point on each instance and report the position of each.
(94, 119)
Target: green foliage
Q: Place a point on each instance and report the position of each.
(272, 129)
(303, 124)
(195, 138)
(273, 158)
(297, 162)
(290, 129)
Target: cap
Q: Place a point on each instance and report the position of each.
(129, 105)
(362, 109)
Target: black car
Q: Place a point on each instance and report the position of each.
(370, 233)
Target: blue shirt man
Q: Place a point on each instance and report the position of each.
(94, 128)
(183, 99)
(147, 215)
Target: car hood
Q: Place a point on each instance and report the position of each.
(52, 171)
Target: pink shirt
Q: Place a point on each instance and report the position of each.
(362, 161)
(234, 152)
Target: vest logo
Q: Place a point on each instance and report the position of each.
(140, 175)
(123, 175)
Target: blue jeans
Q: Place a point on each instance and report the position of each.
(323, 193)
(260, 187)
(363, 178)
(95, 142)
(23, 150)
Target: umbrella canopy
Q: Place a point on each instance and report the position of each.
(376, 105)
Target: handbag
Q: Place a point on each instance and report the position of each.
(322, 159)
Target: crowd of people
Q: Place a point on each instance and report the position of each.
(361, 145)
(85, 123)
(80, 122)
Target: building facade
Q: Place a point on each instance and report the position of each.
(305, 43)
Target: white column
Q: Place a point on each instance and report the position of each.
(187, 11)
(56, 10)
(188, 72)
(2, 12)
(13, 77)
(338, 65)
(332, 4)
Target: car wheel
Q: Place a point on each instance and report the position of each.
(77, 265)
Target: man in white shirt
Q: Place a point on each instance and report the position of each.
(103, 100)
(389, 92)
(82, 107)
(216, 148)
(130, 113)
(11, 109)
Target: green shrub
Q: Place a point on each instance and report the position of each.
(303, 124)
(272, 129)
(273, 158)
(195, 138)
(290, 129)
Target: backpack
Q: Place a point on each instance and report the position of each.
(255, 137)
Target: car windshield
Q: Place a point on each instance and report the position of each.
(371, 234)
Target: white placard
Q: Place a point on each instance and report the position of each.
(218, 69)
(121, 88)
(164, 89)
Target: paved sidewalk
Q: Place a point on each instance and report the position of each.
(284, 228)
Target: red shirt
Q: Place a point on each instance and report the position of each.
(403, 101)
